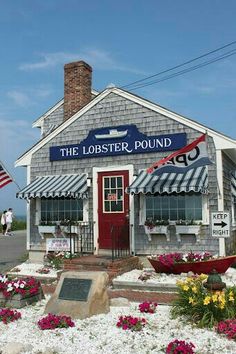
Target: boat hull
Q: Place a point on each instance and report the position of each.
(206, 267)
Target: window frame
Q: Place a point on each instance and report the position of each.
(85, 211)
(205, 209)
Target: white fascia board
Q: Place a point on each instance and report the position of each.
(25, 159)
(39, 121)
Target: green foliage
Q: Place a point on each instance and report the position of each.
(18, 224)
(201, 306)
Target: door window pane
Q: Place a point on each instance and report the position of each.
(113, 194)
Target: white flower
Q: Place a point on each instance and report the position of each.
(9, 287)
(16, 285)
(22, 285)
(3, 278)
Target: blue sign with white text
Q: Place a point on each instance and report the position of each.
(121, 140)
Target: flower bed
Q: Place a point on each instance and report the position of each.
(180, 347)
(52, 321)
(7, 315)
(19, 292)
(201, 306)
(131, 323)
(148, 307)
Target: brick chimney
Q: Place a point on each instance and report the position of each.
(77, 87)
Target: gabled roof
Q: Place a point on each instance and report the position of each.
(222, 142)
(38, 122)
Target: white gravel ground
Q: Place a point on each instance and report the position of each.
(100, 335)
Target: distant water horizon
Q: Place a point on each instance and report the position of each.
(20, 217)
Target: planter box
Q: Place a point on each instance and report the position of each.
(18, 301)
(46, 229)
(74, 229)
(160, 229)
(188, 229)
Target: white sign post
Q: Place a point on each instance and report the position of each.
(220, 224)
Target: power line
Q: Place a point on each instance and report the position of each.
(178, 66)
(182, 72)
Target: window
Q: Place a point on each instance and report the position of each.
(113, 194)
(59, 209)
(174, 207)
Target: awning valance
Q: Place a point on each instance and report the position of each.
(233, 185)
(74, 186)
(194, 180)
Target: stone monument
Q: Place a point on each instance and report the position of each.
(80, 295)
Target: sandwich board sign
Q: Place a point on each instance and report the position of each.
(220, 224)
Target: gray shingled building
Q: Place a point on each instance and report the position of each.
(87, 176)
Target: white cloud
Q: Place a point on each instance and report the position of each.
(20, 98)
(26, 98)
(97, 58)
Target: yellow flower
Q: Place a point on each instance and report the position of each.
(194, 289)
(207, 300)
(231, 296)
(203, 276)
(222, 305)
(185, 287)
(214, 298)
(191, 300)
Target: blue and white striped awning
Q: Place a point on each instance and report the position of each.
(233, 185)
(194, 180)
(74, 186)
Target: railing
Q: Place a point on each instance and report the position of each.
(120, 241)
(81, 242)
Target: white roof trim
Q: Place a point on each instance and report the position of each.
(39, 121)
(221, 141)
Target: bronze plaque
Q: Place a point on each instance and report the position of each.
(75, 289)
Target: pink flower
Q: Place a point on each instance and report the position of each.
(180, 347)
(26, 286)
(148, 307)
(7, 315)
(130, 322)
(52, 321)
(228, 328)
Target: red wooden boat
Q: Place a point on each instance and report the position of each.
(220, 264)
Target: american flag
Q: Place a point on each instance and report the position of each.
(5, 178)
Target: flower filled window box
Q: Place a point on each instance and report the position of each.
(188, 230)
(158, 227)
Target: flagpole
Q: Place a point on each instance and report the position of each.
(10, 175)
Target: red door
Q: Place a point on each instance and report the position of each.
(113, 205)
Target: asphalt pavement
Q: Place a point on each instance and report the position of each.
(12, 250)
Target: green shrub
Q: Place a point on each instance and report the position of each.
(18, 224)
(201, 306)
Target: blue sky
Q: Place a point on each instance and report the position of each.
(123, 41)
